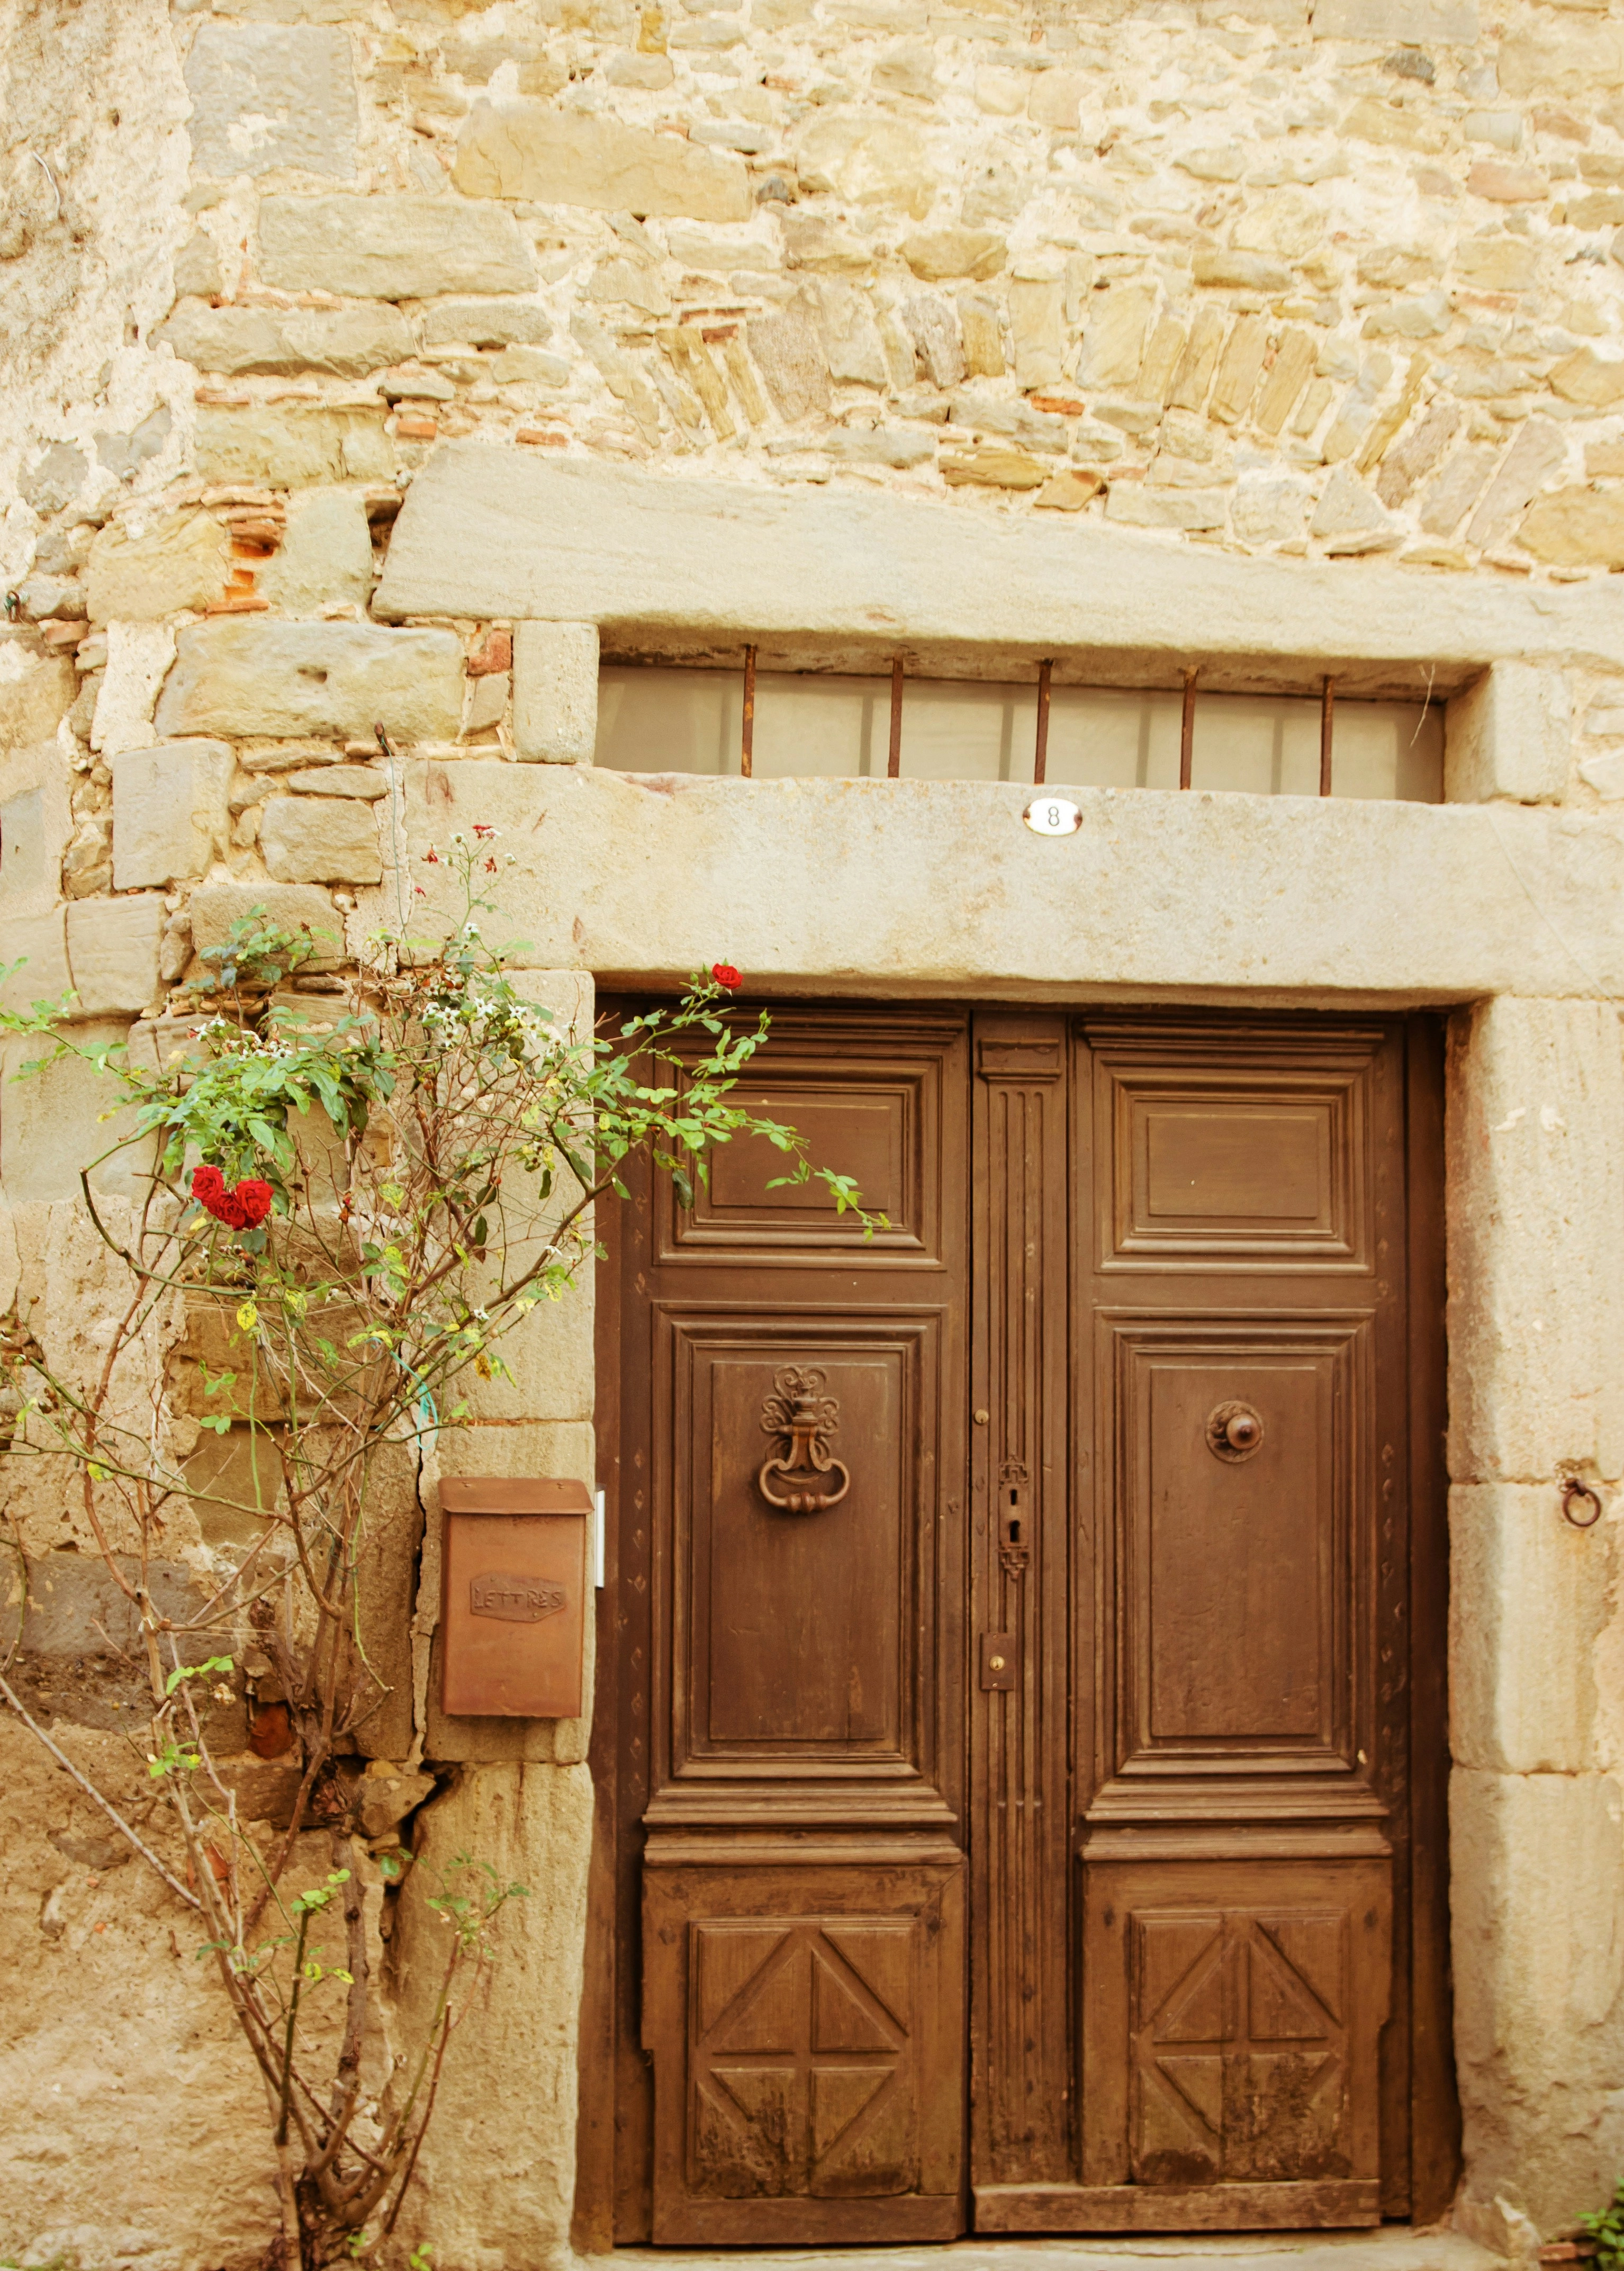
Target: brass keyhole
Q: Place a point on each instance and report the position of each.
(1234, 1432)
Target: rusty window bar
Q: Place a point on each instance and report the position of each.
(1041, 753)
(1186, 729)
(893, 763)
(1328, 703)
(747, 735)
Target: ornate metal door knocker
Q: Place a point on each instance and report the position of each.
(1234, 1432)
(799, 1412)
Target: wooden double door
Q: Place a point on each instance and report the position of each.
(1020, 1729)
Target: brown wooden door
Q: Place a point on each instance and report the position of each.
(1045, 1834)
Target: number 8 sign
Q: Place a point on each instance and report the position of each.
(1052, 816)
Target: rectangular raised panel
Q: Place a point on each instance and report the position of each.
(800, 1641)
(1257, 1155)
(1240, 1587)
(806, 2025)
(869, 1102)
(1232, 2016)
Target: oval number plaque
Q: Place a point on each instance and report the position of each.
(1052, 816)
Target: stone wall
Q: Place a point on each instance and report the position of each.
(725, 309)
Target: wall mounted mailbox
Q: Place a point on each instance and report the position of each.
(514, 1585)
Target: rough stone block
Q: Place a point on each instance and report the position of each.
(181, 561)
(32, 702)
(36, 827)
(790, 357)
(1509, 735)
(62, 1118)
(139, 656)
(342, 342)
(555, 692)
(1576, 528)
(267, 95)
(1536, 1890)
(170, 818)
(320, 840)
(515, 148)
(287, 679)
(216, 907)
(1536, 1229)
(291, 449)
(1529, 1599)
(366, 781)
(392, 247)
(113, 951)
(1036, 317)
(1447, 23)
(1113, 340)
(325, 556)
(870, 160)
(1555, 55)
(38, 942)
(486, 323)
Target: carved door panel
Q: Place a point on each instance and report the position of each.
(789, 1595)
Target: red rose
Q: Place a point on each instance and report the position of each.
(254, 1198)
(727, 976)
(245, 1208)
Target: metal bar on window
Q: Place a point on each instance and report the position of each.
(747, 740)
(1328, 703)
(1040, 754)
(1186, 730)
(893, 763)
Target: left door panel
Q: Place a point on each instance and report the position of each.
(789, 1752)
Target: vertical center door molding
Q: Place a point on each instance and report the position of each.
(1024, 1999)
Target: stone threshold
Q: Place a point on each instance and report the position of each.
(1396, 2247)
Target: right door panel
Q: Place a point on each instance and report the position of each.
(1240, 1486)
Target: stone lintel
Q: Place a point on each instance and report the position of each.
(662, 564)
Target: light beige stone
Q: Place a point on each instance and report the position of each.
(1246, 271)
(139, 656)
(1538, 451)
(869, 160)
(113, 951)
(1497, 264)
(533, 1825)
(269, 95)
(1560, 55)
(305, 839)
(850, 338)
(1036, 315)
(1536, 1231)
(170, 819)
(790, 357)
(215, 908)
(1509, 735)
(981, 330)
(325, 558)
(292, 448)
(1450, 22)
(251, 676)
(1239, 366)
(555, 692)
(1147, 507)
(1349, 519)
(1193, 373)
(1055, 98)
(1576, 527)
(34, 962)
(990, 466)
(1529, 1597)
(31, 703)
(513, 148)
(1114, 335)
(1538, 1924)
(343, 342)
(937, 254)
(486, 323)
(369, 781)
(1289, 222)
(934, 328)
(179, 562)
(392, 247)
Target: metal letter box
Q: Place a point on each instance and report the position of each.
(515, 1587)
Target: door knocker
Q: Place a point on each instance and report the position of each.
(1234, 1432)
(799, 1411)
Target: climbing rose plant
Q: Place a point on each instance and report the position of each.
(352, 1190)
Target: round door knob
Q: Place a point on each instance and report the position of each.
(995, 1663)
(1234, 1432)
